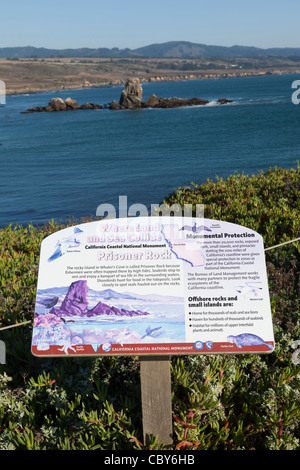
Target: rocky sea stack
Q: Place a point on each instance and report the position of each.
(131, 98)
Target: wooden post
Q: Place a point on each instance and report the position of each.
(156, 398)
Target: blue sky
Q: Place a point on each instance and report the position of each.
(132, 23)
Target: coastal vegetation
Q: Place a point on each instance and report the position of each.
(221, 402)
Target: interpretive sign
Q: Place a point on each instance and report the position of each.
(152, 286)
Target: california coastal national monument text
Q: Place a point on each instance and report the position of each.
(152, 286)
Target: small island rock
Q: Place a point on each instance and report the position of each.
(131, 98)
(58, 104)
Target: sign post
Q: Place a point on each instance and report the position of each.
(156, 398)
(152, 287)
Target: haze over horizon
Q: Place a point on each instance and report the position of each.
(95, 24)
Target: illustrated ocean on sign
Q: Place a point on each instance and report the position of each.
(66, 243)
(76, 322)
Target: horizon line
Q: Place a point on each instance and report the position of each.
(148, 45)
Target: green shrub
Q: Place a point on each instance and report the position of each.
(219, 402)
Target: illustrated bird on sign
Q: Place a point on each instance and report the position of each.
(249, 288)
(62, 246)
(195, 228)
(48, 303)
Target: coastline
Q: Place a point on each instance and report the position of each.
(80, 86)
(30, 76)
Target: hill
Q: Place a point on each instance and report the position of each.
(184, 49)
(172, 49)
(43, 53)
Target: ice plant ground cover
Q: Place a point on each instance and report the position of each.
(218, 402)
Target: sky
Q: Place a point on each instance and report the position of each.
(64, 24)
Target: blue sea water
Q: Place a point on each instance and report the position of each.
(56, 165)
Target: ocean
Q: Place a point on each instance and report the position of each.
(60, 165)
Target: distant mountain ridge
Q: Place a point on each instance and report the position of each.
(171, 49)
(184, 49)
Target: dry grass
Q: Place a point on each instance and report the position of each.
(33, 75)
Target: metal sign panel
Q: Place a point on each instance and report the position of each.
(152, 286)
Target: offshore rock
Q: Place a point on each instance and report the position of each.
(131, 96)
(70, 103)
(90, 106)
(58, 104)
(114, 106)
(155, 102)
(224, 101)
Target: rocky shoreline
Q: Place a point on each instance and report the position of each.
(131, 98)
(155, 78)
